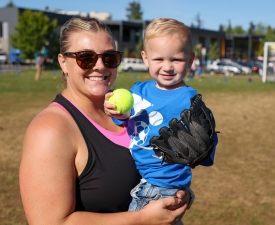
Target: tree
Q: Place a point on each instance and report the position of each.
(221, 28)
(214, 51)
(270, 35)
(251, 28)
(139, 48)
(260, 29)
(10, 5)
(234, 30)
(228, 29)
(125, 52)
(198, 22)
(238, 30)
(33, 30)
(134, 11)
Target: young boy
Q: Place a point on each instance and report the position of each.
(168, 55)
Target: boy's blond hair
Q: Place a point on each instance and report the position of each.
(163, 27)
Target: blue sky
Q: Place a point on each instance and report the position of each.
(212, 12)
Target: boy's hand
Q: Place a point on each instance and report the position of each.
(109, 109)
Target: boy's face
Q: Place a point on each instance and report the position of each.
(168, 61)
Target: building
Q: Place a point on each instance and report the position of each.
(9, 19)
(243, 46)
(126, 33)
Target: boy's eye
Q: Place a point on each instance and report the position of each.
(178, 60)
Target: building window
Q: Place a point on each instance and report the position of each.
(126, 35)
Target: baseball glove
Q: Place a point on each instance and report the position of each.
(189, 140)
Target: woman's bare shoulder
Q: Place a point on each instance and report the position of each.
(52, 118)
(51, 128)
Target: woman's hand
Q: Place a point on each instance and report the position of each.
(171, 209)
(165, 211)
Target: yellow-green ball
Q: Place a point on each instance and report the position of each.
(123, 100)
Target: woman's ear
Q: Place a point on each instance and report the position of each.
(62, 63)
(145, 59)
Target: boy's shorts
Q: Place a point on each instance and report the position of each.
(145, 192)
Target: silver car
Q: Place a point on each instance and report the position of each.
(133, 64)
(244, 69)
(223, 67)
(3, 58)
(227, 66)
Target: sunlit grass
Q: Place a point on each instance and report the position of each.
(238, 189)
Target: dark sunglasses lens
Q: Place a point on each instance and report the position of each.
(86, 60)
(112, 59)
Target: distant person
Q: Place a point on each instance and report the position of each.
(76, 167)
(198, 72)
(198, 68)
(168, 55)
(39, 61)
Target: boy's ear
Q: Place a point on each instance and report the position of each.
(145, 59)
(191, 59)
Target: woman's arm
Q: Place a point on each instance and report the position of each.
(47, 171)
(49, 167)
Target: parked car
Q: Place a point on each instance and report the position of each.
(15, 57)
(244, 68)
(223, 67)
(253, 65)
(133, 64)
(3, 58)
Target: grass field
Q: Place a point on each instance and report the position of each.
(238, 190)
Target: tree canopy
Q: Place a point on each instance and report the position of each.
(139, 48)
(214, 51)
(33, 30)
(270, 35)
(10, 4)
(134, 11)
(198, 22)
(235, 30)
(254, 29)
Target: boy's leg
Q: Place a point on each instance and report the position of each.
(138, 196)
(144, 192)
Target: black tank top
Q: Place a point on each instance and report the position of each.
(110, 172)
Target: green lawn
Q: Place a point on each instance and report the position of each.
(238, 189)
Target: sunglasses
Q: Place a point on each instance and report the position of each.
(88, 59)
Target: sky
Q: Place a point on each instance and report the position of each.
(213, 13)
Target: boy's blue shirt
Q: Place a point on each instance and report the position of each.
(153, 109)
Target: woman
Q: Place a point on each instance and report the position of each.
(76, 167)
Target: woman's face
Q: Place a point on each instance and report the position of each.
(94, 82)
